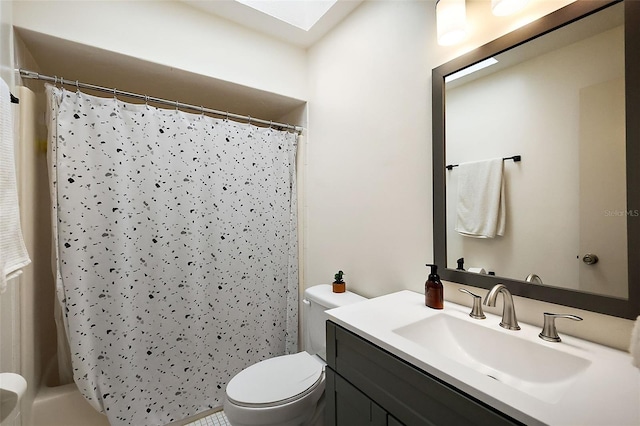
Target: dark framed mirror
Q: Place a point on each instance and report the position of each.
(589, 286)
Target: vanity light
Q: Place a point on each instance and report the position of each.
(451, 21)
(506, 7)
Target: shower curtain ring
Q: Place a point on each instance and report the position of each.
(114, 94)
(176, 105)
(202, 110)
(249, 120)
(77, 86)
(146, 100)
(227, 115)
(270, 123)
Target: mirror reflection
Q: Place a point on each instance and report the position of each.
(558, 102)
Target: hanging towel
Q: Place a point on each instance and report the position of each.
(481, 208)
(13, 254)
(634, 348)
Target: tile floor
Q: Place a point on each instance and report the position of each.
(215, 419)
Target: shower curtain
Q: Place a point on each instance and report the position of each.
(176, 252)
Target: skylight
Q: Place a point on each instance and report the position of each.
(473, 68)
(302, 14)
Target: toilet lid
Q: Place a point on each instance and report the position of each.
(275, 380)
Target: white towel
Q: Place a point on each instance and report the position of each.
(13, 254)
(634, 347)
(481, 207)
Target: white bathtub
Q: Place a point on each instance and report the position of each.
(62, 405)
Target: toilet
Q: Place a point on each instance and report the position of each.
(288, 390)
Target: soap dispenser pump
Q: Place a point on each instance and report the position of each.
(433, 290)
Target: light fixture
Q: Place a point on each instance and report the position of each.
(451, 21)
(506, 7)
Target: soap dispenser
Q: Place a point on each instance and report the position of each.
(433, 290)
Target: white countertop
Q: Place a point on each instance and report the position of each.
(606, 393)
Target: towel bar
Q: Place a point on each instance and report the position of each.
(515, 159)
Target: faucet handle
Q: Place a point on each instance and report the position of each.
(549, 331)
(476, 311)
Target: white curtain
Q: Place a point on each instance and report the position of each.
(176, 252)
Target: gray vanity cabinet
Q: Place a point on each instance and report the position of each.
(352, 407)
(367, 385)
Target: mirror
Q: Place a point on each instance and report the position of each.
(575, 195)
(570, 187)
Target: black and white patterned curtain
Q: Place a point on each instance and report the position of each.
(176, 252)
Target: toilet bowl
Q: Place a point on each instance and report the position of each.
(288, 390)
(284, 390)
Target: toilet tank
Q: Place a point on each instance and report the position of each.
(317, 300)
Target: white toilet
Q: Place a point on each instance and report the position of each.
(288, 390)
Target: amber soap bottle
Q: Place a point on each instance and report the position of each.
(433, 290)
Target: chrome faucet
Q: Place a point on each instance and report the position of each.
(509, 320)
(534, 278)
(476, 311)
(549, 331)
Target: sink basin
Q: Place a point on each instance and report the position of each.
(532, 368)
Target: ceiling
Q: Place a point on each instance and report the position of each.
(91, 65)
(109, 69)
(277, 28)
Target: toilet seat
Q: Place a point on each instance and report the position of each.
(276, 381)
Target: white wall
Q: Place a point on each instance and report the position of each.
(369, 185)
(369, 162)
(173, 34)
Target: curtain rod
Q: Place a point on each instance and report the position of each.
(59, 80)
